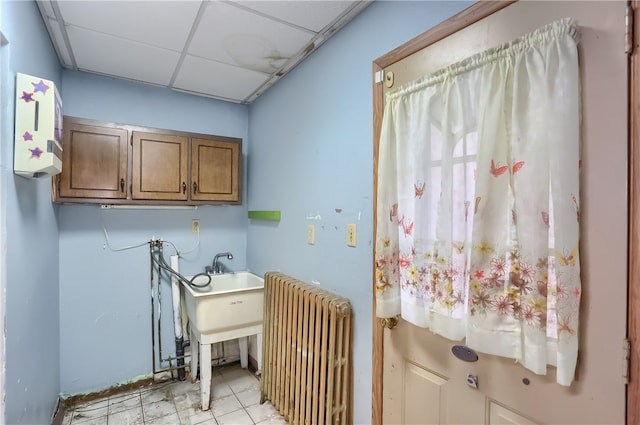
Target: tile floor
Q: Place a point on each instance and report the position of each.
(235, 395)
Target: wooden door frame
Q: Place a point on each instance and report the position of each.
(633, 281)
(454, 24)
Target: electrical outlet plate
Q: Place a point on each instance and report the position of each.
(195, 225)
(351, 234)
(311, 234)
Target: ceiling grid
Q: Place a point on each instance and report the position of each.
(229, 50)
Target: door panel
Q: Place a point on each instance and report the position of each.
(500, 415)
(424, 394)
(508, 393)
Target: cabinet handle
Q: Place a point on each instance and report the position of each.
(121, 185)
(184, 187)
(195, 187)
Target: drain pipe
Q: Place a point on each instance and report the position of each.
(177, 318)
(153, 308)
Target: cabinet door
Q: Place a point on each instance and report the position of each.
(94, 162)
(160, 164)
(215, 170)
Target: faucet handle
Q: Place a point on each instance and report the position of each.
(208, 269)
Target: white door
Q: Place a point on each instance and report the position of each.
(423, 382)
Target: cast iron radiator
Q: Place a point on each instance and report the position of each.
(306, 352)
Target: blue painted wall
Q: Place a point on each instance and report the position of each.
(312, 157)
(32, 327)
(79, 320)
(105, 309)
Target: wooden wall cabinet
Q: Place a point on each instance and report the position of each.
(109, 163)
(160, 164)
(215, 170)
(94, 162)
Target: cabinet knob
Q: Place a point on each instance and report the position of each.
(121, 185)
(184, 187)
(195, 187)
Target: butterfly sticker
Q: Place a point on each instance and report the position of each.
(393, 211)
(484, 248)
(382, 285)
(514, 255)
(545, 217)
(568, 258)
(517, 166)
(419, 190)
(575, 203)
(407, 228)
(563, 326)
(501, 170)
(542, 288)
(516, 280)
(498, 171)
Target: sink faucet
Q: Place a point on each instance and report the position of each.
(217, 267)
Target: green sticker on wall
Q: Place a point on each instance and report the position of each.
(265, 215)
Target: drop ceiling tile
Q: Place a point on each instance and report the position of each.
(160, 23)
(313, 15)
(143, 39)
(218, 79)
(109, 55)
(235, 36)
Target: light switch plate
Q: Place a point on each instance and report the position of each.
(351, 234)
(311, 234)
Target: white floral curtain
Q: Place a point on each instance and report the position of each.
(478, 201)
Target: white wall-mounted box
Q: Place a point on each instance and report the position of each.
(38, 128)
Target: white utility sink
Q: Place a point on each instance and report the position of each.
(229, 307)
(231, 301)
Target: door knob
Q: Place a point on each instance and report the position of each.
(389, 322)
